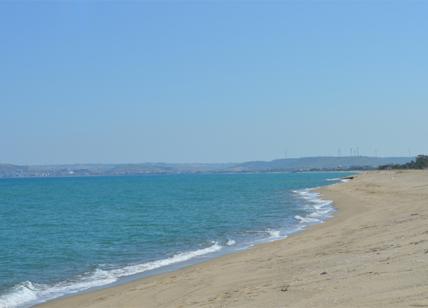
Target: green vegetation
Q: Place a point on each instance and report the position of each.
(421, 162)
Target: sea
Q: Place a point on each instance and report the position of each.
(62, 236)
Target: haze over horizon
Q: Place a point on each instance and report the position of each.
(211, 82)
(212, 163)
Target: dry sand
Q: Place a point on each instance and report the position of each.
(373, 253)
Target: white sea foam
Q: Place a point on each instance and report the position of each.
(319, 208)
(343, 180)
(28, 293)
(274, 233)
(230, 242)
(306, 219)
(333, 179)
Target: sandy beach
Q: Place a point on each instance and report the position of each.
(373, 253)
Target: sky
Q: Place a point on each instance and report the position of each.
(130, 82)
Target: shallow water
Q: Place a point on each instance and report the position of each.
(64, 235)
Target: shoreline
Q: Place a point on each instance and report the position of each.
(318, 210)
(313, 210)
(346, 261)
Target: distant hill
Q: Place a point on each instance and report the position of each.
(320, 163)
(8, 170)
(421, 162)
(11, 171)
(291, 164)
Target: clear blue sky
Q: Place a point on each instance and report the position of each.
(211, 82)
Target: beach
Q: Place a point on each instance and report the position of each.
(372, 253)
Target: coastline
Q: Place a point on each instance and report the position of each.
(357, 258)
(308, 209)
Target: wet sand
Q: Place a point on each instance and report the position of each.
(373, 253)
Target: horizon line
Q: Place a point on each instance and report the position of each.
(206, 163)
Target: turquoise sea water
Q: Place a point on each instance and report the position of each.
(59, 236)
